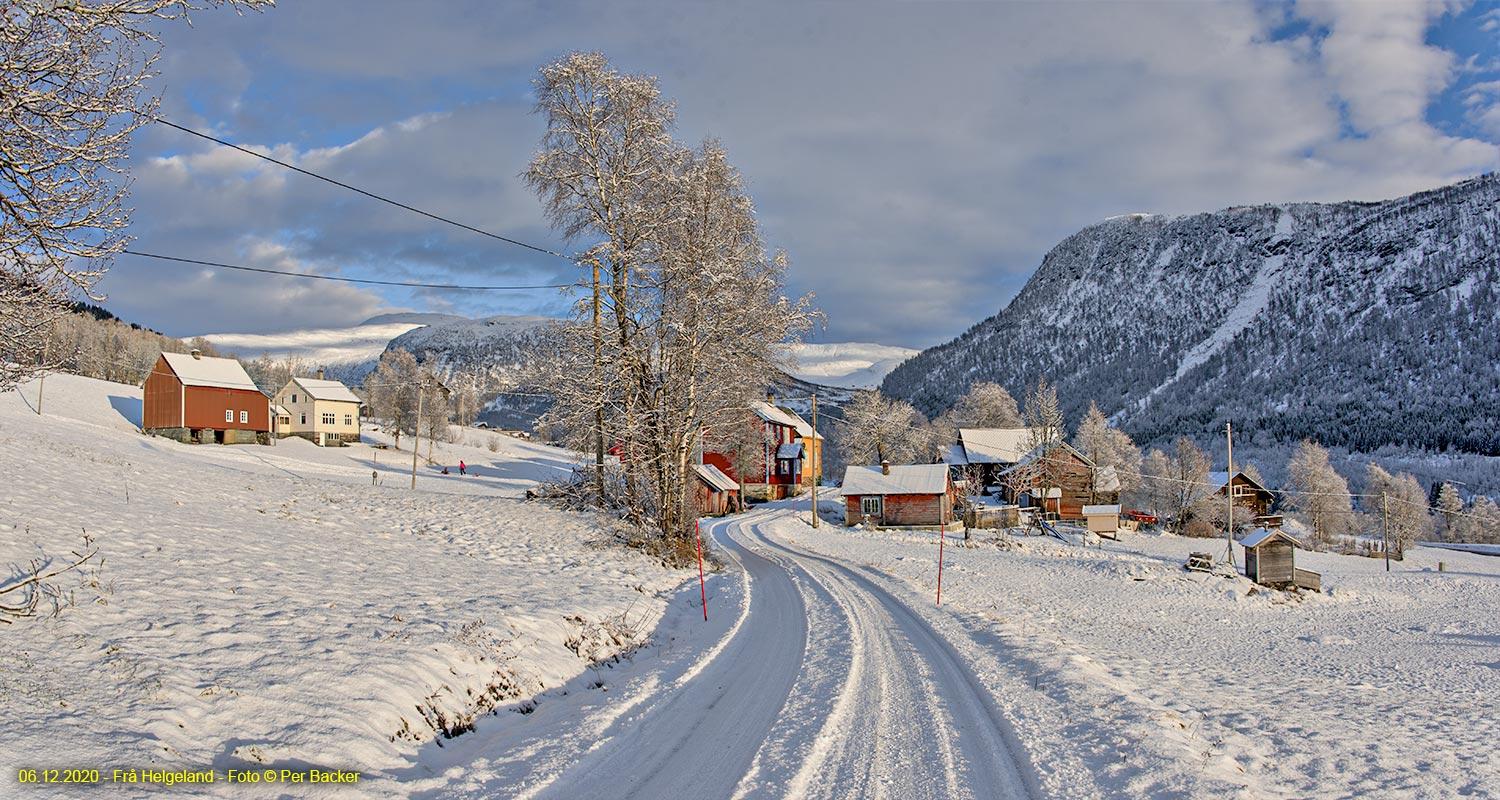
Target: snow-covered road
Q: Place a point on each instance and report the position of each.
(827, 685)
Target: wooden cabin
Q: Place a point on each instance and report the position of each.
(196, 398)
(1270, 560)
(1059, 471)
(908, 495)
(1248, 494)
(716, 493)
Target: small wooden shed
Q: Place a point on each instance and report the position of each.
(1103, 519)
(1270, 560)
(717, 494)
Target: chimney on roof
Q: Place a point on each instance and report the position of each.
(197, 354)
(885, 468)
(771, 397)
(320, 373)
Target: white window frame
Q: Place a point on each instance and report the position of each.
(871, 505)
(229, 415)
(244, 417)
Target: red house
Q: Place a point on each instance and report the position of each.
(907, 495)
(770, 467)
(196, 398)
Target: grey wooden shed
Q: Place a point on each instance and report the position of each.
(1270, 559)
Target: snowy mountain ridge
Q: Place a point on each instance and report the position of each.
(1355, 324)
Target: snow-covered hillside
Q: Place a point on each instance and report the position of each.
(255, 606)
(847, 365)
(328, 347)
(1360, 325)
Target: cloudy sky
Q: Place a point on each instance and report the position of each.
(915, 159)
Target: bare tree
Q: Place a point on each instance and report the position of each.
(1401, 506)
(1319, 495)
(686, 318)
(392, 391)
(1157, 485)
(72, 92)
(1188, 479)
(985, 405)
(1108, 447)
(877, 428)
(1449, 507)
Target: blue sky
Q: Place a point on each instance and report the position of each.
(915, 159)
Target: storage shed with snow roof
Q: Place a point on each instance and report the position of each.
(908, 495)
(717, 494)
(196, 398)
(1270, 557)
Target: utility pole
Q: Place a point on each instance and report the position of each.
(1229, 490)
(817, 473)
(599, 393)
(1385, 513)
(416, 442)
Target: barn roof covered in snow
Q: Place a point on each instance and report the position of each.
(219, 373)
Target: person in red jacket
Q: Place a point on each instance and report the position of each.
(461, 468)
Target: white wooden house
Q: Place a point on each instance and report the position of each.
(321, 411)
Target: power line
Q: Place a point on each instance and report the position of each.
(221, 265)
(357, 190)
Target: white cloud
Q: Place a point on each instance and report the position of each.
(956, 142)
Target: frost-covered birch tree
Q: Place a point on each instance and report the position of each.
(686, 318)
(877, 428)
(72, 91)
(1108, 446)
(1401, 505)
(1319, 494)
(985, 405)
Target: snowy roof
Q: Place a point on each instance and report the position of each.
(1219, 479)
(803, 428)
(220, 373)
(326, 390)
(772, 414)
(953, 455)
(994, 445)
(789, 450)
(280, 411)
(1089, 511)
(712, 476)
(1260, 536)
(1037, 453)
(904, 479)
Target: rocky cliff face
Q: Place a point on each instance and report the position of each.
(1355, 324)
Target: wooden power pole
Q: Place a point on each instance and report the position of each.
(816, 469)
(1229, 490)
(416, 442)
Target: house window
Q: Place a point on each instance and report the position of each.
(348, 419)
(869, 505)
(228, 415)
(294, 398)
(244, 417)
(328, 419)
(304, 419)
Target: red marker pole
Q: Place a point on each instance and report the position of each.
(942, 534)
(703, 592)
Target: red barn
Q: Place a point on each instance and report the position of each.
(195, 398)
(907, 495)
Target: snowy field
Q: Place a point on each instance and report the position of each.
(1176, 684)
(254, 606)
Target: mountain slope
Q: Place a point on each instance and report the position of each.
(1356, 324)
(850, 365)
